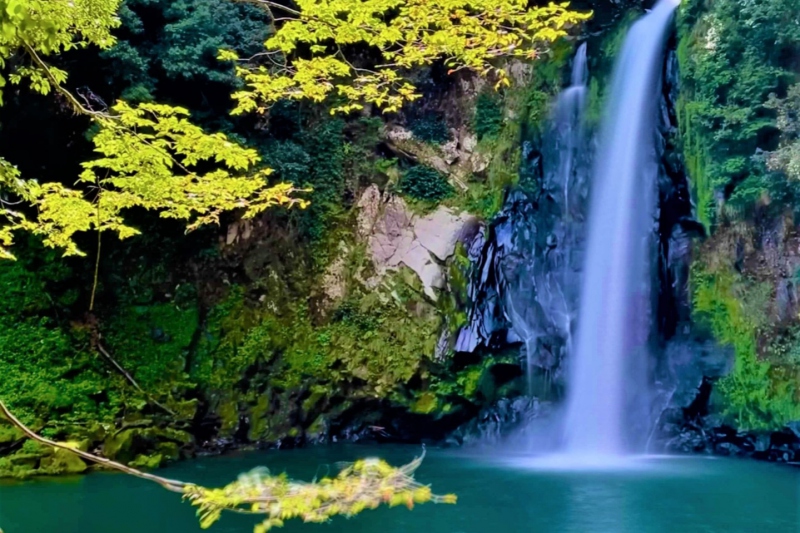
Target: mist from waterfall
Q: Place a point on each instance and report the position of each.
(606, 373)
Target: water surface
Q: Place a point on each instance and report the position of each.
(504, 495)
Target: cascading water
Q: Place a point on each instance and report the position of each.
(569, 116)
(605, 367)
(551, 275)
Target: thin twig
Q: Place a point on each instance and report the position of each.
(58, 87)
(96, 265)
(130, 379)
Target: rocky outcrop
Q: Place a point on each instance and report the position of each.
(457, 159)
(500, 421)
(397, 237)
(527, 274)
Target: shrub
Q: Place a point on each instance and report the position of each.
(425, 183)
(488, 116)
(430, 129)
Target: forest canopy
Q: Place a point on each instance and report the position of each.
(153, 157)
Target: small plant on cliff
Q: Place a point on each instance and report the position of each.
(432, 129)
(488, 119)
(426, 184)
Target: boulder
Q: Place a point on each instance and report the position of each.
(397, 237)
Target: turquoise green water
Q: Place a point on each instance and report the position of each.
(659, 495)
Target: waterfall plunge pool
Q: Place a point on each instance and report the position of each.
(506, 494)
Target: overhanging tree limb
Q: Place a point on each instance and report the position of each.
(365, 484)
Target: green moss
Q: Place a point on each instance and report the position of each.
(48, 371)
(152, 342)
(426, 403)
(228, 412)
(8, 433)
(259, 420)
(758, 394)
(469, 380)
(119, 445)
(129, 444)
(147, 462)
(35, 459)
(488, 120)
(62, 462)
(372, 343)
(169, 450)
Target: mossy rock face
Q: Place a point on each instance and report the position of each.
(62, 462)
(35, 459)
(148, 461)
(170, 434)
(169, 450)
(28, 460)
(8, 434)
(269, 423)
(10, 469)
(318, 429)
(118, 446)
(228, 412)
(426, 403)
(129, 444)
(185, 410)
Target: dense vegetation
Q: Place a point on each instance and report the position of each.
(278, 326)
(739, 126)
(264, 331)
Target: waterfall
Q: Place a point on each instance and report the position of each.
(569, 116)
(605, 374)
(549, 278)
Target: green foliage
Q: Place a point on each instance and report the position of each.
(365, 484)
(151, 156)
(488, 120)
(50, 27)
(153, 343)
(732, 56)
(197, 30)
(430, 128)
(544, 86)
(163, 40)
(759, 394)
(372, 343)
(425, 183)
(471, 383)
(47, 368)
(315, 157)
(787, 157)
(405, 34)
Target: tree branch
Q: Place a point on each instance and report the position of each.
(169, 484)
(129, 377)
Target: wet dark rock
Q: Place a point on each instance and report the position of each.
(728, 448)
(707, 434)
(527, 265)
(498, 421)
